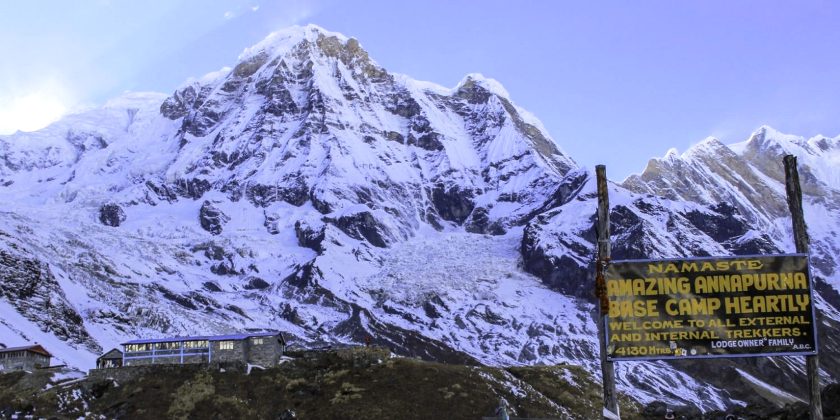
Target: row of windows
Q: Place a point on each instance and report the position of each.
(197, 344)
(174, 345)
(168, 346)
(188, 345)
(137, 347)
(228, 344)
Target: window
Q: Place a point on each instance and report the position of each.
(257, 340)
(195, 344)
(168, 346)
(133, 348)
(225, 345)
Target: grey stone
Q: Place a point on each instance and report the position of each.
(211, 218)
(111, 215)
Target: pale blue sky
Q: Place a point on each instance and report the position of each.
(614, 82)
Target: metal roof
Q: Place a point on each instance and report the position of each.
(239, 336)
(36, 348)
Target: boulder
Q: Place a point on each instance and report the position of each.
(212, 219)
(111, 215)
(256, 283)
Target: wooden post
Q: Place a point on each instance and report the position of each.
(800, 237)
(603, 234)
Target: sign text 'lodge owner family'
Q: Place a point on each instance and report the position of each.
(707, 307)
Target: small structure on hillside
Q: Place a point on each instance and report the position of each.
(262, 349)
(110, 360)
(24, 358)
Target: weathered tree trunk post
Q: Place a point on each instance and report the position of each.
(800, 237)
(603, 233)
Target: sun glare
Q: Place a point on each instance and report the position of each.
(30, 112)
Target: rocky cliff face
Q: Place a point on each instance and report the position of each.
(308, 190)
(749, 177)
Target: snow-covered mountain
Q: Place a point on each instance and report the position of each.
(309, 190)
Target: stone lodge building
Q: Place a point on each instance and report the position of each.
(262, 349)
(24, 358)
(109, 360)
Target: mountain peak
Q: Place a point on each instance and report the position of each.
(765, 132)
(708, 145)
(671, 155)
(472, 80)
(284, 39)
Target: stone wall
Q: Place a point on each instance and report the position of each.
(237, 354)
(127, 373)
(266, 354)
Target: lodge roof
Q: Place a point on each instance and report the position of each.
(37, 348)
(241, 336)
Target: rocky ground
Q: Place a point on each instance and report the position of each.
(339, 383)
(346, 383)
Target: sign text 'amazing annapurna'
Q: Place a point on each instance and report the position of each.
(727, 306)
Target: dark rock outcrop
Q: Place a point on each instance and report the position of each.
(562, 273)
(225, 268)
(363, 226)
(111, 214)
(270, 222)
(161, 191)
(256, 283)
(192, 188)
(309, 236)
(211, 218)
(479, 222)
(212, 286)
(723, 223)
(292, 190)
(30, 286)
(452, 203)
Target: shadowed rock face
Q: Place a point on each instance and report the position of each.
(30, 287)
(722, 225)
(452, 204)
(557, 270)
(747, 181)
(363, 226)
(309, 236)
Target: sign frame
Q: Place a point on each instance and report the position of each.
(812, 329)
